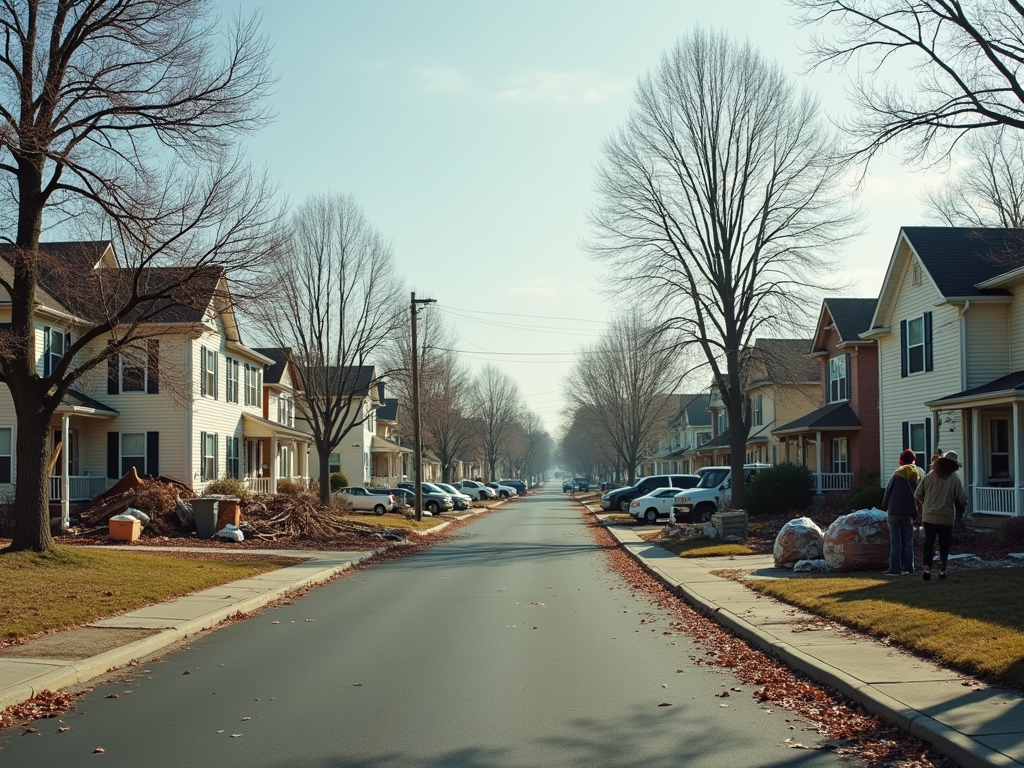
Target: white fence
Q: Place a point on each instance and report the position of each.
(993, 501)
(835, 481)
(80, 487)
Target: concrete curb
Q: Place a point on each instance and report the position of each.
(966, 751)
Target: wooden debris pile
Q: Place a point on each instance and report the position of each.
(274, 517)
(154, 496)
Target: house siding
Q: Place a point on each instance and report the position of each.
(864, 444)
(986, 329)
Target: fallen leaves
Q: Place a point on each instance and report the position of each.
(45, 704)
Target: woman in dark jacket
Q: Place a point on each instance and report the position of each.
(901, 505)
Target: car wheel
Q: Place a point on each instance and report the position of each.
(704, 512)
(379, 510)
(483, 496)
(651, 516)
(432, 507)
(504, 494)
(624, 505)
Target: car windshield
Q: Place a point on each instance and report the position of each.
(713, 478)
(446, 487)
(431, 488)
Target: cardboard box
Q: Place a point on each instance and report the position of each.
(125, 530)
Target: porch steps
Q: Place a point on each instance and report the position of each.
(990, 522)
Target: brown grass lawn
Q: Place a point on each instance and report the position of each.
(397, 520)
(973, 622)
(699, 546)
(75, 585)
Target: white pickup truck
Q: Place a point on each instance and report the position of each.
(713, 492)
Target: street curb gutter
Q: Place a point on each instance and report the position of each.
(80, 671)
(966, 751)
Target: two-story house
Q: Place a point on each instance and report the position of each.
(843, 429)
(275, 448)
(949, 323)
(175, 403)
(689, 428)
(390, 458)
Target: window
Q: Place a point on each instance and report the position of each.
(133, 452)
(252, 385)
(285, 410)
(703, 437)
(915, 274)
(723, 421)
(6, 441)
(757, 410)
(917, 436)
(208, 380)
(334, 464)
(916, 344)
(284, 465)
(207, 456)
(231, 380)
(840, 458)
(999, 448)
(231, 452)
(838, 379)
(55, 344)
(133, 370)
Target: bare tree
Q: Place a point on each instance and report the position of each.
(989, 191)
(624, 380)
(123, 116)
(584, 449)
(720, 203)
(497, 402)
(336, 304)
(525, 445)
(966, 59)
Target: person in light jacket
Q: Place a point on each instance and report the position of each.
(901, 505)
(939, 493)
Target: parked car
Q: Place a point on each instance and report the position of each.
(712, 493)
(435, 501)
(476, 489)
(568, 486)
(460, 499)
(582, 484)
(519, 485)
(654, 505)
(368, 500)
(621, 498)
(503, 491)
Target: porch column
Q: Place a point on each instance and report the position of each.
(1017, 509)
(817, 460)
(273, 464)
(65, 481)
(974, 478)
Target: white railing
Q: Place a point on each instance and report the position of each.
(835, 481)
(258, 484)
(379, 481)
(993, 501)
(80, 487)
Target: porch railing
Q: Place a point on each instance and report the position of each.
(380, 481)
(835, 481)
(993, 501)
(80, 487)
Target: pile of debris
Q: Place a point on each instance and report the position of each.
(157, 497)
(275, 516)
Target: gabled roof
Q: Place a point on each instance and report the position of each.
(693, 411)
(784, 361)
(849, 317)
(351, 380)
(835, 416)
(272, 373)
(957, 260)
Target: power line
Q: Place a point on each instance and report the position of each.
(534, 317)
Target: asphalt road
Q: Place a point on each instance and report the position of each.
(509, 645)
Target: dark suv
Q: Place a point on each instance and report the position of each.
(519, 485)
(619, 498)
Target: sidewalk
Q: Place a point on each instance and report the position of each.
(973, 727)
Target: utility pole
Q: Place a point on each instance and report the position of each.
(417, 445)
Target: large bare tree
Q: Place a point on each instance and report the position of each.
(625, 380)
(120, 121)
(721, 203)
(954, 67)
(989, 190)
(497, 402)
(337, 303)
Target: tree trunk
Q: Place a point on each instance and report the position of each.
(324, 453)
(31, 490)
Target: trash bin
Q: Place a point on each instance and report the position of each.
(205, 511)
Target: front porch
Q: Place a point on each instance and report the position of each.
(823, 441)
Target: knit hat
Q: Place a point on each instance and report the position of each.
(907, 457)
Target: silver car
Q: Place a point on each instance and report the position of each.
(365, 500)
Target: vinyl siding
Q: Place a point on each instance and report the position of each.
(1015, 329)
(986, 329)
(903, 398)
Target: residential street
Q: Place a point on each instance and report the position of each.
(510, 645)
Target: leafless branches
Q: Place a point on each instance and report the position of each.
(496, 401)
(965, 59)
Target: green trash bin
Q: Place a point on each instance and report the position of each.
(204, 509)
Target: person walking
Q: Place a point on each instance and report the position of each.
(900, 503)
(939, 493)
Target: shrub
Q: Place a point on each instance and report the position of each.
(780, 489)
(866, 492)
(338, 481)
(1012, 531)
(288, 487)
(226, 486)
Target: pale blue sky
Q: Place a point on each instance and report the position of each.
(468, 132)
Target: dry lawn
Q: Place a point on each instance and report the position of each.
(396, 521)
(972, 622)
(73, 585)
(699, 546)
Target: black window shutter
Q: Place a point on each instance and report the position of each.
(828, 381)
(903, 350)
(849, 378)
(153, 368)
(153, 453)
(906, 435)
(928, 341)
(202, 371)
(46, 350)
(928, 447)
(216, 373)
(202, 456)
(112, 378)
(113, 455)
